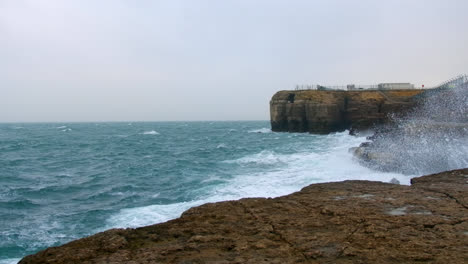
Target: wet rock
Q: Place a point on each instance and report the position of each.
(394, 181)
(341, 222)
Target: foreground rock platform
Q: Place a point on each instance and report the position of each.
(341, 222)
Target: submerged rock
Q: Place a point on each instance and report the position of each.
(394, 181)
(341, 222)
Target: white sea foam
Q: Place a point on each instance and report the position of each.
(264, 157)
(261, 130)
(140, 216)
(43, 235)
(9, 261)
(61, 127)
(152, 132)
(291, 172)
(66, 130)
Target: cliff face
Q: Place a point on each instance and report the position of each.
(341, 222)
(317, 111)
(432, 137)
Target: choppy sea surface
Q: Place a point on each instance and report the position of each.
(63, 181)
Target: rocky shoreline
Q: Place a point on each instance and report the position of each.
(340, 222)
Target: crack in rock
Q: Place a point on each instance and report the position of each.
(274, 230)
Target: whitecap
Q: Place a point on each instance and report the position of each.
(61, 127)
(146, 215)
(222, 145)
(261, 130)
(152, 132)
(66, 130)
(266, 157)
(285, 173)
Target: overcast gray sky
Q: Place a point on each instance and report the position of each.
(116, 60)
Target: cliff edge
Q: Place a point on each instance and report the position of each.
(321, 112)
(341, 222)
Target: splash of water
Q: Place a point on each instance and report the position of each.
(431, 138)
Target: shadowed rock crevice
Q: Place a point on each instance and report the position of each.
(274, 230)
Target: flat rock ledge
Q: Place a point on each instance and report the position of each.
(340, 222)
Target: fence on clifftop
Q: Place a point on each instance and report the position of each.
(454, 82)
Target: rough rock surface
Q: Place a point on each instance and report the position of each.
(342, 222)
(318, 111)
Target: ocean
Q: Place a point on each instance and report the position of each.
(64, 181)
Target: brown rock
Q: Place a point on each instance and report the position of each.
(318, 111)
(342, 222)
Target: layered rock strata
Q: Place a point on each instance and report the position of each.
(317, 111)
(341, 222)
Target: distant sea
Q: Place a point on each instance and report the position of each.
(64, 181)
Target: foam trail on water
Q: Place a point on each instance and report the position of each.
(287, 173)
(264, 157)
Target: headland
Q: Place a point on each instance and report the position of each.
(325, 109)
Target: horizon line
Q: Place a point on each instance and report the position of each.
(129, 121)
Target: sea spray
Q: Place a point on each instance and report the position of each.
(431, 138)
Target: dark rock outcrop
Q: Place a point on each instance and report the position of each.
(341, 222)
(317, 111)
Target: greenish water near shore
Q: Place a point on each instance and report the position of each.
(63, 181)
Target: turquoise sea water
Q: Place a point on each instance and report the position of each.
(63, 181)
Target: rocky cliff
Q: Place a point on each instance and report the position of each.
(342, 222)
(318, 111)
